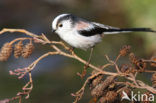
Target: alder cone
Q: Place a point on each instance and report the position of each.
(154, 59)
(110, 97)
(5, 52)
(18, 49)
(125, 50)
(27, 50)
(153, 79)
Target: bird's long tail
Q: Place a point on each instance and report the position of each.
(124, 30)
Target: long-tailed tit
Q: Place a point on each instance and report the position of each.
(83, 34)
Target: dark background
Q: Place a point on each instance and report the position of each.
(53, 83)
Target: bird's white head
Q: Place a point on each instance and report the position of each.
(63, 23)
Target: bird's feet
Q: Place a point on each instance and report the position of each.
(71, 50)
(84, 72)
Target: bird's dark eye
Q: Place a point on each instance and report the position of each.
(60, 25)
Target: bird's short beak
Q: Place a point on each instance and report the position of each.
(53, 30)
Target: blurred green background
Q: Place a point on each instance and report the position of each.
(53, 83)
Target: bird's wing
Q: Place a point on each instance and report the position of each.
(104, 26)
(91, 29)
(113, 30)
(108, 29)
(94, 28)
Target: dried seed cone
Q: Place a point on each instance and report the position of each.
(125, 50)
(18, 49)
(153, 79)
(110, 97)
(145, 100)
(27, 50)
(141, 65)
(125, 68)
(5, 52)
(154, 59)
(97, 80)
(133, 58)
(98, 90)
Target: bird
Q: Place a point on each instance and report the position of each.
(83, 34)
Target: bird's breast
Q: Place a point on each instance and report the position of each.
(79, 41)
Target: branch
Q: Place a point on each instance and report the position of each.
(97, 79)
